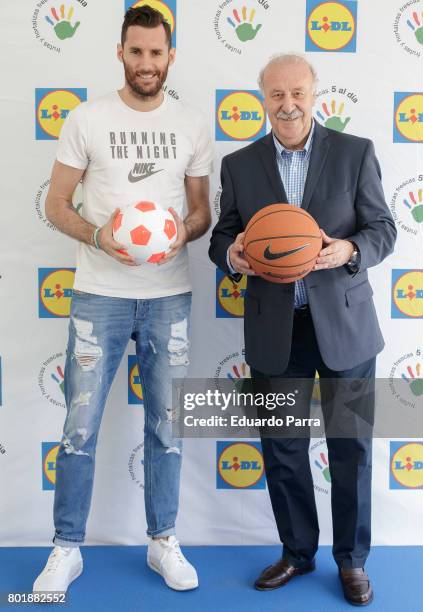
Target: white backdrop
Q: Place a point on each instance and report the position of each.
(378, 82)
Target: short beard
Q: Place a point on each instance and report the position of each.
(138, 90)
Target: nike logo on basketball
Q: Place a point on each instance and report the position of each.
(142, 171)
(269, 255)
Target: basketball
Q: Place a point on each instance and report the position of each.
(282, 242)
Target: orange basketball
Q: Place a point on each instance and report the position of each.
(282, 242)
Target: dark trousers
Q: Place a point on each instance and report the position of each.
(288, 469)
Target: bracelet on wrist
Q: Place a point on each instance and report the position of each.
(95, 238)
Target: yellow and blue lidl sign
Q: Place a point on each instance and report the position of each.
(331, 26)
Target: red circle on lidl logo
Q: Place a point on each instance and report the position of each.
(408, 293)
(162, 7)
(53, 109)
(231, 295)
(407, 465)
(240, 465)
(409, 117)
(135, 382)
(331, 26)
(49, 466)
(241, 115)
(56, 292)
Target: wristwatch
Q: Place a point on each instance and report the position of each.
(353, 264)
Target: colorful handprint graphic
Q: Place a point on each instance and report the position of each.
(416, 206)
(414, 380)
(61, 24)
(417, 27)
(332, 119)
(323, 468)
(243, 27)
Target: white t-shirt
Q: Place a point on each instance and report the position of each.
(131, 156)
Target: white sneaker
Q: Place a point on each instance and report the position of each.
(165, 557)
(63, 566)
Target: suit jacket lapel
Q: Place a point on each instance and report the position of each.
(319, 151)
(267, 154)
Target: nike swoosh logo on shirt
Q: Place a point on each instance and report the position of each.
(269, 255)
(139, 177)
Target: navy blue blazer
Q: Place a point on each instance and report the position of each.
(343, 192)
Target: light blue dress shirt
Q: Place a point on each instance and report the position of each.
(293, 167)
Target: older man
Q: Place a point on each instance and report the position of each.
(326, 322)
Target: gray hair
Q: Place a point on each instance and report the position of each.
(287, 58)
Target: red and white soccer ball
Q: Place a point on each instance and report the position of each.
(147, 231)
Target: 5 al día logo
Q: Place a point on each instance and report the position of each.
(406, 379)
(136, 465)
(333, 107)
(234, 368)
(229, 296)
(239, 465)
(331, 26)
(407, 294)
(408, 117)
(407, 206)
(236, 23)
(40, 202)
(406, 465)
(408, 27)
(49, 452)
(167, 9)
(55, 291)
(240, 115)
(216, 201)
(320, 467)
(135, 395)
(51, 380)
(53, 22)
(52, 106)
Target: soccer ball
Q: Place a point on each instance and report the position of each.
(147, 231)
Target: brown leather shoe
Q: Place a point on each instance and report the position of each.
(356, 586)
(280, 573)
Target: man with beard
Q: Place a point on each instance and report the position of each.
(127, 146)
(325, 322)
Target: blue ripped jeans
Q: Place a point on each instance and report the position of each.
(99, 330)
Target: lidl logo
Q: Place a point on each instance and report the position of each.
(406, 460)
(407, 294)
(240, 115)
(239, 466)
(167, 9)
(49, 452)
(52, 106)
(135, 395)
(408, 117)
(229, 296)
(55, 292)
(331, 26)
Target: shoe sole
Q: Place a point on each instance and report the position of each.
(76, 575)
(170, 584)
(279, 586)
(359, 605)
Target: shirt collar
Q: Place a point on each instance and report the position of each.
(307, 147)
